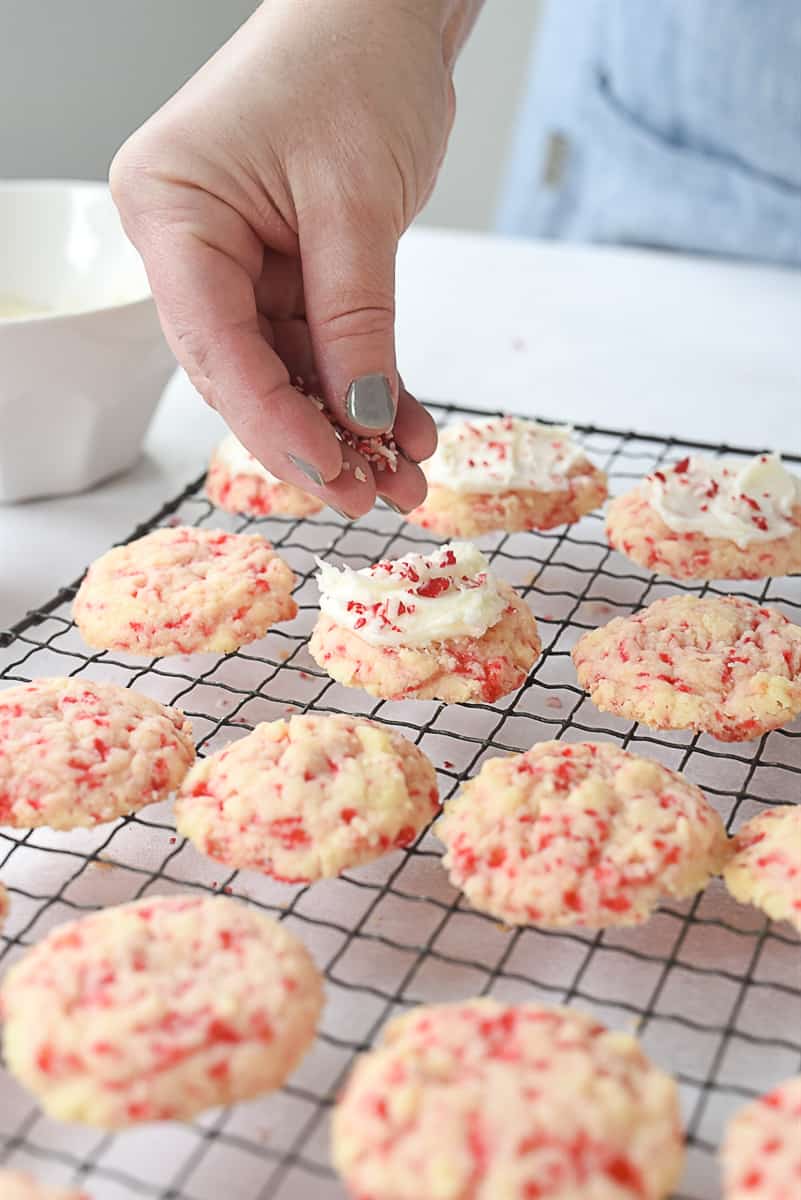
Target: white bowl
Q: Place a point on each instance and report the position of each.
(83, 361)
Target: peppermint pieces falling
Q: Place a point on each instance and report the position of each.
(381, 452)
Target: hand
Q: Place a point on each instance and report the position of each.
(267, 199)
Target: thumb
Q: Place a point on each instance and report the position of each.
(348, 265)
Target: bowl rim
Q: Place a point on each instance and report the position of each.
(43, 318)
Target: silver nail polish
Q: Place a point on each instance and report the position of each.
(345, 516)
(307, 469)
(402, 512)
(370, 402)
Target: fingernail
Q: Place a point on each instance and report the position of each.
(370, 402)
(306, 469)
(345, 516)
(396, 507)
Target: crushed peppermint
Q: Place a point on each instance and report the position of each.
(743, 502)
(381, 451)
(416, 599)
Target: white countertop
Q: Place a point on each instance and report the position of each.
(667, 344)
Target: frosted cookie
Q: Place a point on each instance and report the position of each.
(765, 865)
(17, 1185)
(183, 591)
(157, 1010)
(506, 473)
(306, 798)
(716, 664)
(422, 627)
(761, 1152)
(712, 519)
(480, 1100)
(76, 752)
(580, 834)
(238, 483)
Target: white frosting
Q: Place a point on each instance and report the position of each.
(414, 600)
(725, 498)
(238, 461)
(501, 454)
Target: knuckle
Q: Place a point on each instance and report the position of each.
(357, 321)
(194, 348)
(137, 180)
(195, 354)
(121, 182)
(125, 173)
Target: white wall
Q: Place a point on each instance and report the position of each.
(490, 77)
(76, 76)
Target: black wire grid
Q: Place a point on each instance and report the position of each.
(711, 987)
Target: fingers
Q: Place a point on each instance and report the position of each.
(279, 287)
(209, 313)
(208, 310)
(219, 338)
(415, 431)
(353, 491)
(349, 284)
(279, 292)
(405, 488)
(290, 339)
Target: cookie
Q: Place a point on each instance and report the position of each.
(17, 1185)
(77, 752)
(712, 519)
(305, 798)
(761, 1152)
(506, 473)
(581, 834)
(3, 905)
(157, 1010)
(238, 483)
(480, 1100)
(716, 664)
(184, 591)
(765, 865)
(421, 627)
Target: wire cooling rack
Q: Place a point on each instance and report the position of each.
(711, 987)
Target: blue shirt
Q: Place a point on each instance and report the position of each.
(668, 123)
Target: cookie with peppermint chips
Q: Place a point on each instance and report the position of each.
(480, 1100)
(761, 1152)
(704, 518)
(716, 664)
(765, 864)
(157, 1010)
(580, 834)
(183, 590)
(305, 798)
(506, 473)
(238, 483)
(75, 752)
(438, 626)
